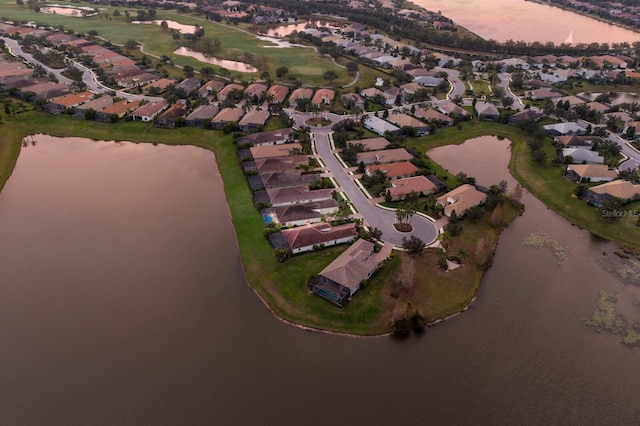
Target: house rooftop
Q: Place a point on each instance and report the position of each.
(618, 188)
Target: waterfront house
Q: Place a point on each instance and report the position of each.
(622, 189)
(274, 137)
(433, 116)
(585, 173)
(96, 105)
(279, 164)
(317, 235)
(341, 279)
(461, 199)
(225, 116)
(299, 214)
(149, 111)
(370, 144)
(172, 114)
(118, 109)
(254, 119)
(59, 105)
(580, 156)
(573, 141)
(402, 169)
(420, 185)
(384, 156)
(450, 108)
(201, 116)
(380, 126)
(487, 111)
(564, 128)
(272, 151)
(404, 120)
(295, 195)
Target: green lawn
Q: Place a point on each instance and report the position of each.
(304, 63)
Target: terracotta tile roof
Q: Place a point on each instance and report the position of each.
(393, 170)
(417, 184)
(618, 188)
(317, 233)
(270, 151)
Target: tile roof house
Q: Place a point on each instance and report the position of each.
(341, 278)
(461, 199)
(149, 111)
(371, 144)
(46, 91)
(380, 126)
(253, 119)
(118, 109)
(201, 116)
(272, 151)
(58, 105)
(284, 179)
(277, 93)
(586, 173)
(277, 164)
(384, 156)
(274, 137)
(210, 87)
(97, 104)
(226, 115)
(433, 116)
(223, 94)
(525, 115)
(300, 93)
(296, 195)
(420, 185)
(487, 111)
(580, 156)
(300, 214)
(323, 97)
(189, 85)
(574, 141)
(172, 114)
(404, 120)
(543, 93)
(449, 108)
(255, 91)
(313, 236)
(622, 189)
(402, 169)
(565, 128)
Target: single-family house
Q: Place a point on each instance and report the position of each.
(277, 93)
(226, 91)
(272, 151)
(564, 128)
(384, 156)
(399, 170)
(574, 141)
(254, 119)
(433, 116)
(274, 137)
(585, 173)
(300, 93)
(201, 116)
(149, 111)
(170, 117)
(284, 179)
(525, 115)
(189, 86)
(118, 110)
(313, 236)
(420, 185)
(450, 108)
(370, 144)
(295, 195)
(543, 93)
(299, 214)
(58, 105)
(225, 116)
(622, 189)
(323, 97)
(275, 164)
(353, 100)
(404, 120)
(380, 126)
(97, 104)
(255, 91)
(341, 279)
(210, 87)
(487, 111)
(580, 156)
(461, 199)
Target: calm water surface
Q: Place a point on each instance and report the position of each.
(224, 63)
(503, 20)
(123, 301)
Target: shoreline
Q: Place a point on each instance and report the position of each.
(588, 15)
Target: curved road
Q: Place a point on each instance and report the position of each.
(372, 215)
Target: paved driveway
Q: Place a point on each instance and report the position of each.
(373, 216)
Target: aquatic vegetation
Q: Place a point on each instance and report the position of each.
(605, 318)
(543, 241)
(628, 270)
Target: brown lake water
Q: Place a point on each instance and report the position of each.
(503, 20)
(123, 301)
(224, 63)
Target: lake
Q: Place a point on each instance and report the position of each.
(123, 301)
(503, 20)
(224, 63)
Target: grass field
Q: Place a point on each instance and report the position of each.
(304, 63)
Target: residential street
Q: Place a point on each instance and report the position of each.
(373, 215)
(634, 156)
